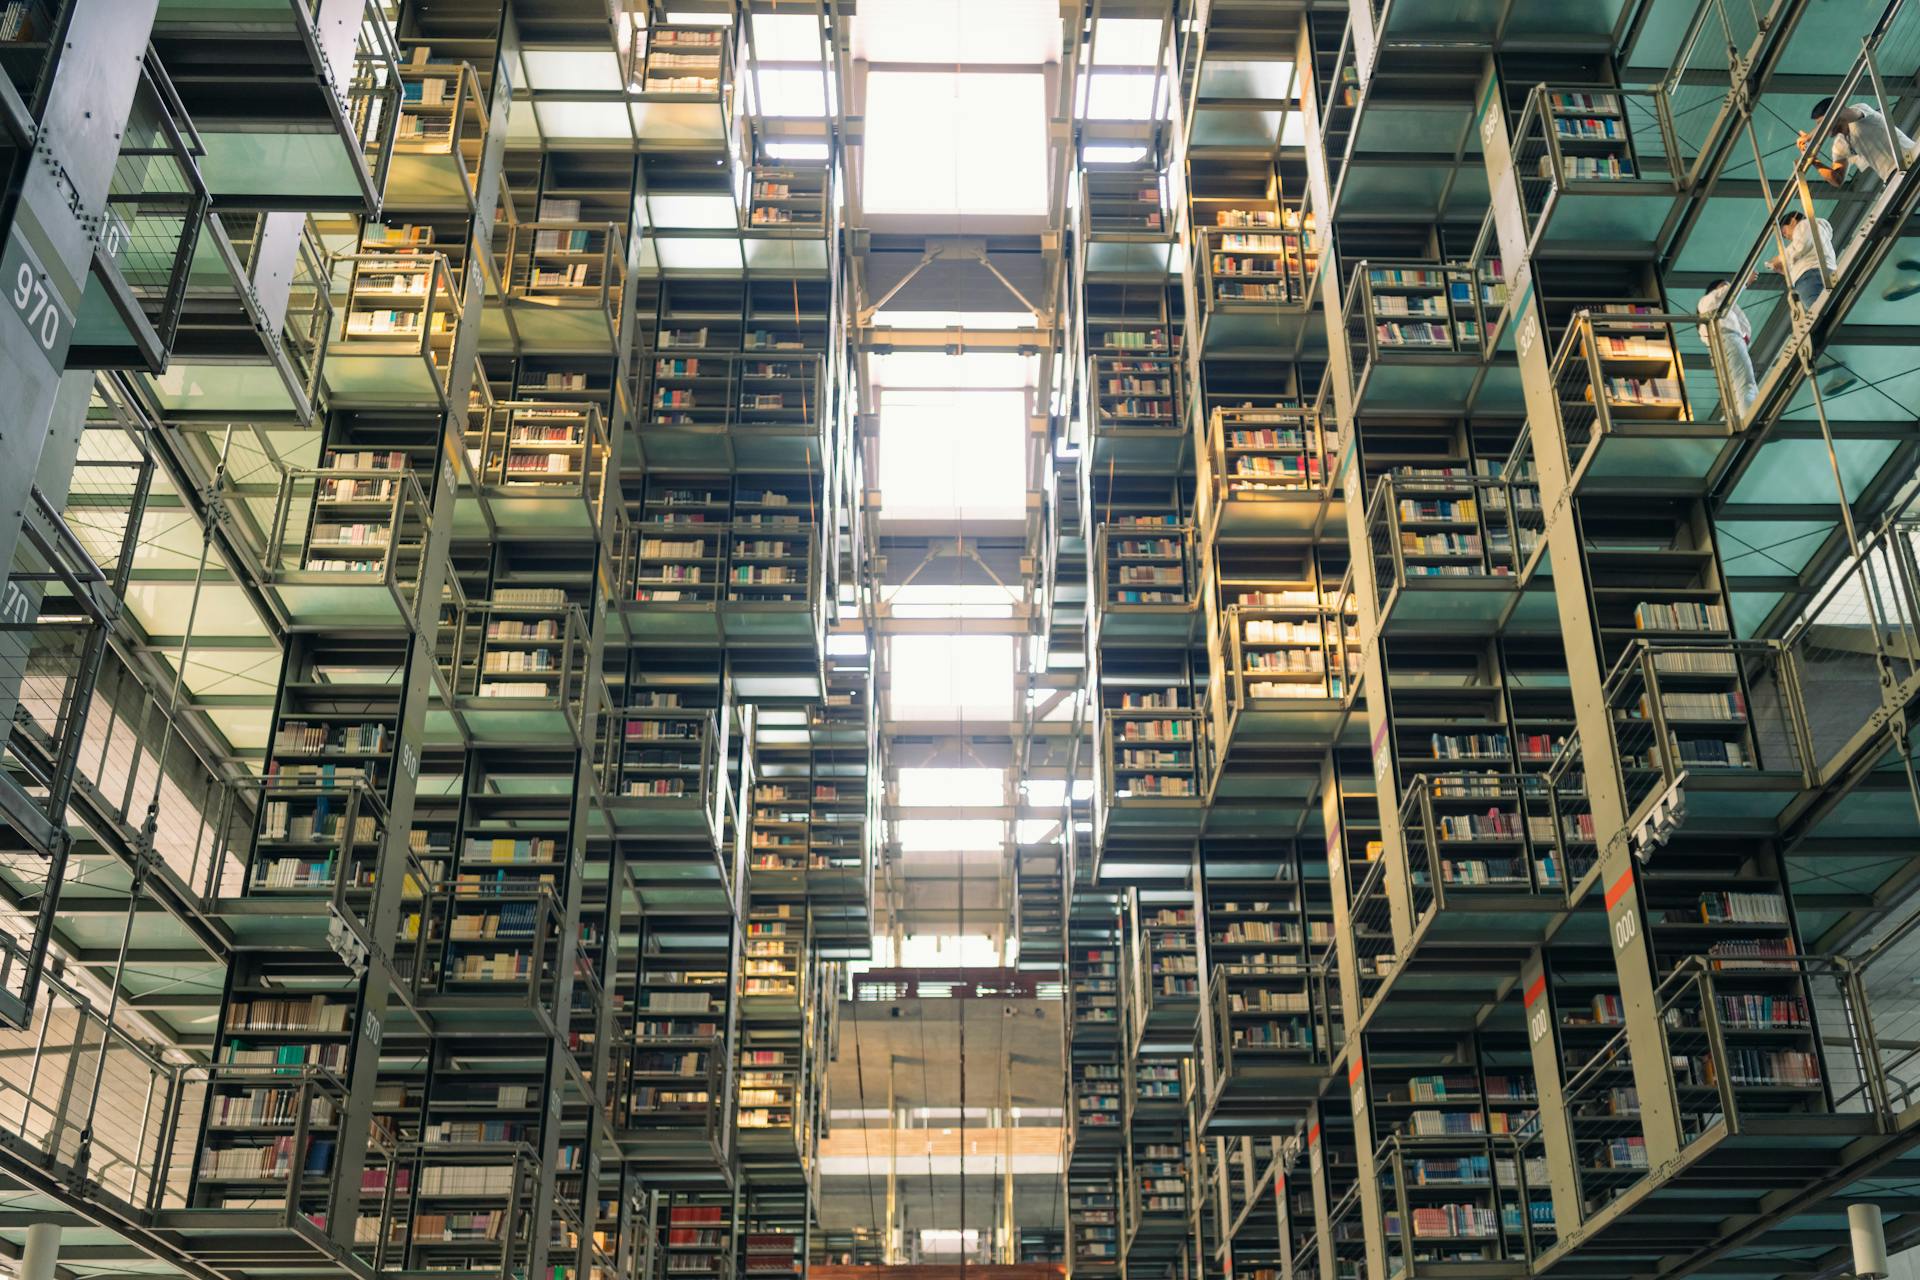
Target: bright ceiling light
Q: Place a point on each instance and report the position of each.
(944, 142)
(1113, 155)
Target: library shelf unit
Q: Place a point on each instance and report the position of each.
(770, 1254)
(843, 734)
(682, 80)
(565, 281)
(516, 666)
(771, 1123)
(1096, 985)
(676, 1106)
(1099, 1106)
(1130, 348)
(665, 767)
(1275, 1031)
(1137, 393)
(776, 973)
(1283, 655)
(1582, 178)
(1125, 203)
(1267, 472)
(1417, 334)
(780, 814)
(1254, 268)
(1444, 560)
(399, 323)
(1094, 1217)
(540, 469)
(1490, 872)
(1159, 1193)
(439, 137)
(1152, 768)
(346, 540)
(697, 1237)
(1723, 719)
(1148, 570)
(1627, 420)
(1040, 907)
(785, 197)
(472, 1202)
(1164, 991)
(315, 852)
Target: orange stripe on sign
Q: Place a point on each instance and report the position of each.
(1313, 1135)
(1534, 991)
(1618, 889)
(1353, 1072)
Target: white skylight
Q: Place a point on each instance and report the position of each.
(951, 677)
(952, 454)
(1126, 42)
(786, 37)
(970, 788)
(944, 142)
(950, 835)
(1112, 95)
(787, 91)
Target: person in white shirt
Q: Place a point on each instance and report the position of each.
(1736, 335)
(1809, 250)
(1862, 139)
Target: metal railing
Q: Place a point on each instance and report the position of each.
(1857, 640)
(1153, 754)
(1424, 530)
(1699, 707)
(1620, 375)
(665, 757)
(1471, 837)
(376, 533)
(401, 306)
(442, 113)
(1370, 924)
(1696, 98)
(370, 101)
(568, 265)
(1729, 1060)
(1587, 138)
(1895, 32)
(1147, 567)
(1269, 454)
(1404, 307)
(156, 201)
(1257, 266)
(518, 653)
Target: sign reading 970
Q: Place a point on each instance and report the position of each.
(34, 299)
